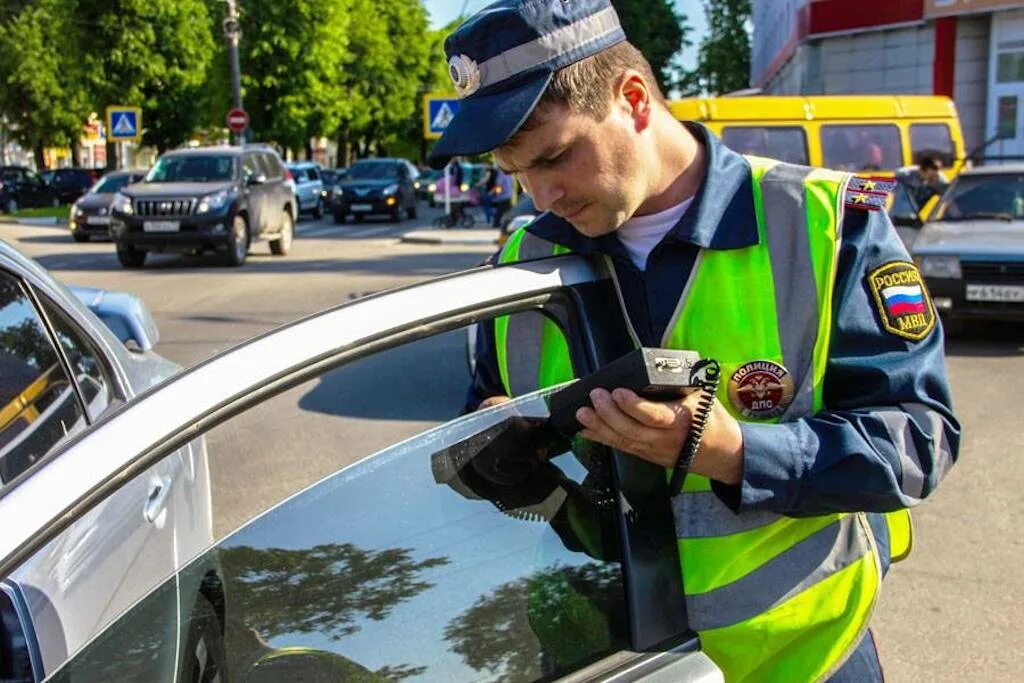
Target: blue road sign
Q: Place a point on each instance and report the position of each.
(438, 111)
(124, 123)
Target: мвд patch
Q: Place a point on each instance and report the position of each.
(903, 303)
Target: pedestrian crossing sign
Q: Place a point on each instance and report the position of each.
(438, 112)
(124, 123)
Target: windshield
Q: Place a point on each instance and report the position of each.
(192, 168)
(372, 170)
(111, 184)
(984, 196)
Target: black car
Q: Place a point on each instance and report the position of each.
(70, 183)
(376, 186)
(207, 199)
(90, 215)
(22, 188)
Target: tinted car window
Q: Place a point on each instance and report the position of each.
(38, 406)
(194, 168)
(312, 173)
(984, 196)
(92, 377)
(457, 554)
(112, 184)
(11, 174)
(773, 142)
(934, 140)
(275, 169)
(250, 166)
(861, 147)
(373, 170)
(299, 174)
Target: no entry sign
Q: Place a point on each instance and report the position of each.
(237, 120)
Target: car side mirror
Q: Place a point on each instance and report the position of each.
(256, 179)
(124, 314)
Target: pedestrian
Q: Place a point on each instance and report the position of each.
(834, 407)
(500, 193)
(925, 180)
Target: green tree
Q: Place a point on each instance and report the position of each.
(292, 57)
(40, 86)
(151, 53)
(389, 58)
(723, 63)
(657, 30)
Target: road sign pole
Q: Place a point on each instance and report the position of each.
(232, 33)
(448, 189)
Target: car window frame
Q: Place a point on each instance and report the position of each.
(97, 462)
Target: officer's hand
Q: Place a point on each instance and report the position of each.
(655, 431)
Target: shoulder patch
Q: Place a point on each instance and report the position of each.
(870, 194)
(904, 306)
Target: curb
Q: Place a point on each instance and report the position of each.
(447, 237)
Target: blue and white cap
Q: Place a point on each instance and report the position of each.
(502, 59)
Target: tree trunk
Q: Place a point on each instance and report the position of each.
(111, 155)
(40, 155)
(76, 159)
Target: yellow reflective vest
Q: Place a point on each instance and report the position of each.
(772, 598)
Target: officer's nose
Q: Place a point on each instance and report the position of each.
(545, 194)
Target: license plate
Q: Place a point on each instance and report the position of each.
(995, 293)
(97, 220)
(161, 226)
(362, 207)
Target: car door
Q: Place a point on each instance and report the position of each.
(410, 548)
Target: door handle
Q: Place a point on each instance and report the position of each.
(159, 487)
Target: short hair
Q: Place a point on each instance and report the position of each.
(585, 87)
(927, 162)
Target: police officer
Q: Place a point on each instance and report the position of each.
(833, 415)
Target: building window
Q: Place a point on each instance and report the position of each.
(1010, 67)
(787, 144)
(873, 147)
(934, 140)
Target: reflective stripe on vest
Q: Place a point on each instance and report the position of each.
(772, 597)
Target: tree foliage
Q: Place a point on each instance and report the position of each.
(657, 30)
(723, 62)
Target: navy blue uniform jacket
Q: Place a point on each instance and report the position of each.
(886, 435)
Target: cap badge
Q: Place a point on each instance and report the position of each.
(465, 75)
(761, 390)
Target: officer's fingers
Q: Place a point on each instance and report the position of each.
(615, 418)
(660, 415)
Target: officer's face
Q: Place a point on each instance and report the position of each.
(585, 171)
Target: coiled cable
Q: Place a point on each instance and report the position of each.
(706, 374)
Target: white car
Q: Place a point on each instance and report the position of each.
(68, 359)
(415, 551)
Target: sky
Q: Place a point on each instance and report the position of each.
(443, 11)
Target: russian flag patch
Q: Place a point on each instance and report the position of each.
(902, 299)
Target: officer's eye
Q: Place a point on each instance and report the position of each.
(557, 159)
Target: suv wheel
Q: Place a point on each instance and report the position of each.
(318, 210)
(283, 244)
(129, 256)
(238, 242)
(80, 236)
(396, 214)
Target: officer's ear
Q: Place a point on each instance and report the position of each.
(634, 96)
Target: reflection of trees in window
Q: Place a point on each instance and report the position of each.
(323, 590)
(545, 624)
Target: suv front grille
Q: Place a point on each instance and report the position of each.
(993, 272)
(165, 207)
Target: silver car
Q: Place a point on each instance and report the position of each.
(69, 358)
(971, 250)
(415, 550)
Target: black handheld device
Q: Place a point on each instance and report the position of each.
(655, 374)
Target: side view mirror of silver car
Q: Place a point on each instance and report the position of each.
(125, 314)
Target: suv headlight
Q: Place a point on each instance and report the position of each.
(122, 204)
(940, 266)
(390, 189)
(213, 202)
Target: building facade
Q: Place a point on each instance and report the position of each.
(970, 50)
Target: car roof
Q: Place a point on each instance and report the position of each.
(297, 164)
(994, 169)
(203, 151)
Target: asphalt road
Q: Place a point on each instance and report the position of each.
(946, 614)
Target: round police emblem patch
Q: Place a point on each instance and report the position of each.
(761, 389)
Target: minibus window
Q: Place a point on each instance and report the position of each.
(787, 144)
(861, 147)
(934, 140)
